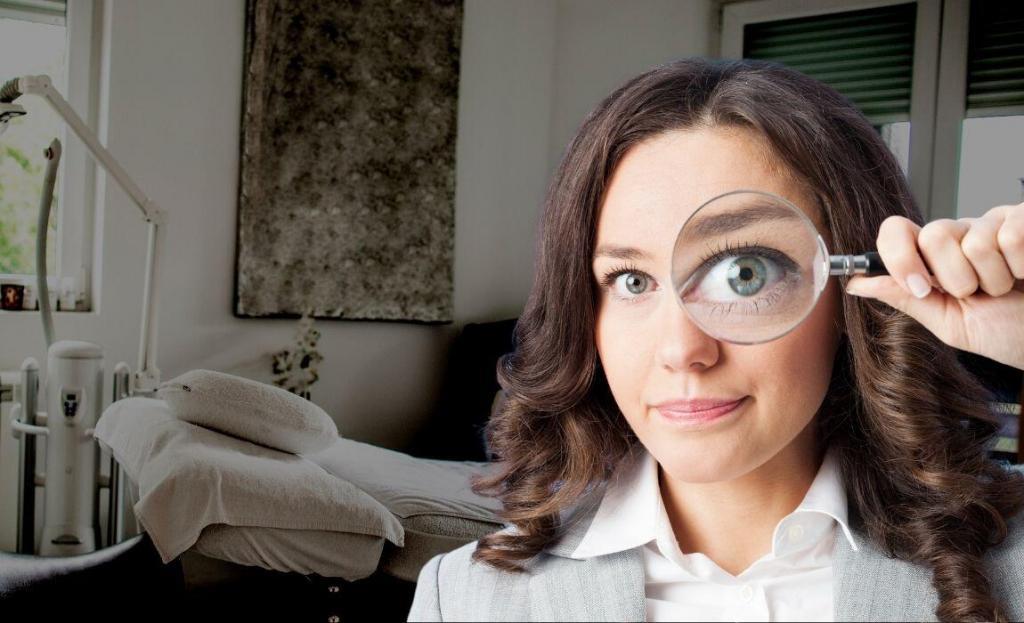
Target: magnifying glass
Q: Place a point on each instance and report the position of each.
(748, 266)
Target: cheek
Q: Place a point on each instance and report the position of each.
(802, 360)
(621, 345)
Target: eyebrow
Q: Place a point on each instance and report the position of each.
(621, 253)
(708, 226)
(740, 218)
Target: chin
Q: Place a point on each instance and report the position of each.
(703, 465)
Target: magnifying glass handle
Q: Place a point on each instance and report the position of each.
(869, 264)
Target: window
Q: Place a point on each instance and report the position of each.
(28, 48)
(53, 38)
(991, 164)
(955, 122)
(866, 54)
(991, 153)
(881, 54)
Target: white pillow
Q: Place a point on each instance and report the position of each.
(261, 413)
(184, 478)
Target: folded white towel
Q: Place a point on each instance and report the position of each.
(250, 410)
(189, 477)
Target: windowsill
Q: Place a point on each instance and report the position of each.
(67, 287)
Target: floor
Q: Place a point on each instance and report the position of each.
(217, 590)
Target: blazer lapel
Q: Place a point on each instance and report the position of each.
(870, 586)
(602, 588)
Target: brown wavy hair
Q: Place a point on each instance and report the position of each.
(910, 425)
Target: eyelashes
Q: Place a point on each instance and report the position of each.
(743, 248)
(707, 261)
(610, 277)
(608, 280)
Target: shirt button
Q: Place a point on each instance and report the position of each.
(746, 593)
(796, 532)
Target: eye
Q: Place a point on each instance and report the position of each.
(634, 283)
(627, 283)
(751, 280)
(745, 275)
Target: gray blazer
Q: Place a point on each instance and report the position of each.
(868, 586)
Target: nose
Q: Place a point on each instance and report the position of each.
(684, 346)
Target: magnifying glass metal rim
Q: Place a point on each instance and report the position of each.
(831, 265)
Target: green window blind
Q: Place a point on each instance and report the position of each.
(995, 61)
(866, 55)
(44, 11)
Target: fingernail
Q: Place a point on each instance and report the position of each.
(853, 288)
(918, 285)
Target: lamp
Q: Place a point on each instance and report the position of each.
(147, 375)
(74, 381)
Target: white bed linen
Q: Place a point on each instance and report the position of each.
(431, 499)
(189, 478)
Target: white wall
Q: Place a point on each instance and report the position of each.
(530, 70)
(600, 44)
(991, 167)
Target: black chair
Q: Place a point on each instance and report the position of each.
(110, 584)
(455, 431)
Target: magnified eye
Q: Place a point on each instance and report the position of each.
(745, 280)
(744, 275)
(748, 266)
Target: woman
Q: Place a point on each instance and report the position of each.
(846, 475)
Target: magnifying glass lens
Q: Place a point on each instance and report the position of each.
(748, 267)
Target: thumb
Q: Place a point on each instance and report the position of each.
(886, 289)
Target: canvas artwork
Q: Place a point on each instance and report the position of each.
(347, 181)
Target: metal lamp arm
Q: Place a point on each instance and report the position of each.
(43, 87)
(147, 378)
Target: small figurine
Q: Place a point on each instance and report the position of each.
(295, 370)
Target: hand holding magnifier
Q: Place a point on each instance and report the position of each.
(748, 267)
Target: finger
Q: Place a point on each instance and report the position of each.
(1010, 239)
(927, 310)
(981, 248)
(939, 242)
(897, 246)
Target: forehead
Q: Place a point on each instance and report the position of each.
(660, 182)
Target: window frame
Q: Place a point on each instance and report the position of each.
(926, 169)
(77, 176)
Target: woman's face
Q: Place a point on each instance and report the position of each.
(652, 352)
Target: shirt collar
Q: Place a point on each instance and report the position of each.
(628, 514)
(827, 495)
(632, 512)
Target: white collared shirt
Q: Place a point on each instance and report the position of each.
(793, 582)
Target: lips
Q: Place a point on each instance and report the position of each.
(696, 405)
(686, 413)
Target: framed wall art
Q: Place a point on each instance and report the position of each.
(347, 175)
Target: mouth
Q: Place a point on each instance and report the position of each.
(698, 413)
